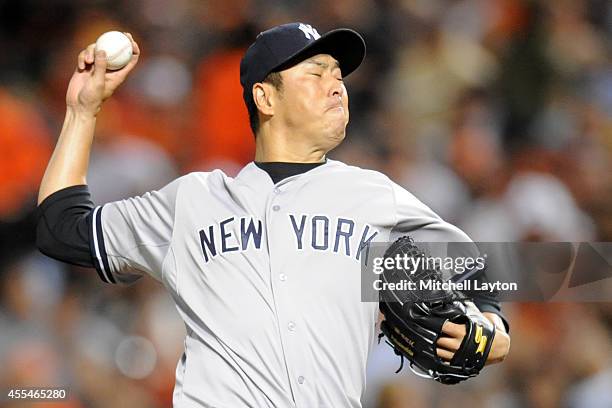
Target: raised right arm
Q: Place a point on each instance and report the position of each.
(65, 209)
(89, 87)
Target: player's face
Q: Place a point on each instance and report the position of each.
(315, 102)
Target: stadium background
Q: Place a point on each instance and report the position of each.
(496, 113)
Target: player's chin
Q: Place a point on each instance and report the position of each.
(337, 123)
(336, 135)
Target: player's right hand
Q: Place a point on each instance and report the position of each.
(91, 84)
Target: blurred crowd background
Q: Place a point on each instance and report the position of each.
(496, 113)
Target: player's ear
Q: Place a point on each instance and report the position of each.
(262, 96)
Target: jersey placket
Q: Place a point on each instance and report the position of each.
(288, 315)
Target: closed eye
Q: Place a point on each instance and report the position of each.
(317, 75)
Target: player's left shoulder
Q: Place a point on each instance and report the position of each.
(367, 181)
(359, 173)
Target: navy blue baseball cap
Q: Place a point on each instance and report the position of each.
(286, 45)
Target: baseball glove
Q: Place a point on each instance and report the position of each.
(414, 318)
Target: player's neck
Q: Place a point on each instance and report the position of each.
(278, 149)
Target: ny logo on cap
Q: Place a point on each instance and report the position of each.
(309, 32)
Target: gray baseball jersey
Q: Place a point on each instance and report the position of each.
(265, 276)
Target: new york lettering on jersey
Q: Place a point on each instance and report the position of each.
(310, 232)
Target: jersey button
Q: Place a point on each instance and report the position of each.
(277, 190)
(291, 327)
(282, 277)
(276, 207)
(301, 379)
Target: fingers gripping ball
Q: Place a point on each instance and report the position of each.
(118, 48)
(414, 319)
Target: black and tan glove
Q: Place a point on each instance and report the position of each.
(414, 319)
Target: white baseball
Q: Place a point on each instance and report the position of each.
(118, 48)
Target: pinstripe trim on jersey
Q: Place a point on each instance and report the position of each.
(98, 250)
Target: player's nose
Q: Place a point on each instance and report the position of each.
(336, 89)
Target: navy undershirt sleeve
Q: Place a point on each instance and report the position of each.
(64, 220)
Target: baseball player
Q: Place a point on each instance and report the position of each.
(264, 268)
